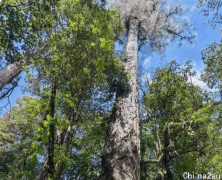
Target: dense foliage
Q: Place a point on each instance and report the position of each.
(75, 79)
(182, 131)
(72, 81)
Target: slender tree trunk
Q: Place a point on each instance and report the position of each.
(166, 154)
(122, 158)
(48, 167)
(62, 138)
(43, 173)
(52, 135)
(67, 140)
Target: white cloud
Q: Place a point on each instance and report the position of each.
(196, 80)
(147, 62)
(146, 78)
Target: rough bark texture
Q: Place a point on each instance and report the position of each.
(122, 158)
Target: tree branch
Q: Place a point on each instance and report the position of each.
(8, 73)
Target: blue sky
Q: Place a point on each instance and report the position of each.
(206, 35)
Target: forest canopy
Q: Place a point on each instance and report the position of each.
(95, 104)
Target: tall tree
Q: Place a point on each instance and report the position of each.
(78, 63)
(19, 147)
(177, 134)
(156, 23)
(212, 57)
(84, 50)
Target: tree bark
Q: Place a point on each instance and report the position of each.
(166, 155)
(43, 173)
(10, 71)
(66, 141)
(48, 168)
(122, 158)
(52, 134)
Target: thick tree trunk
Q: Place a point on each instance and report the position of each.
(122, 158)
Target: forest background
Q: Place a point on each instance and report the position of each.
(57, 129)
